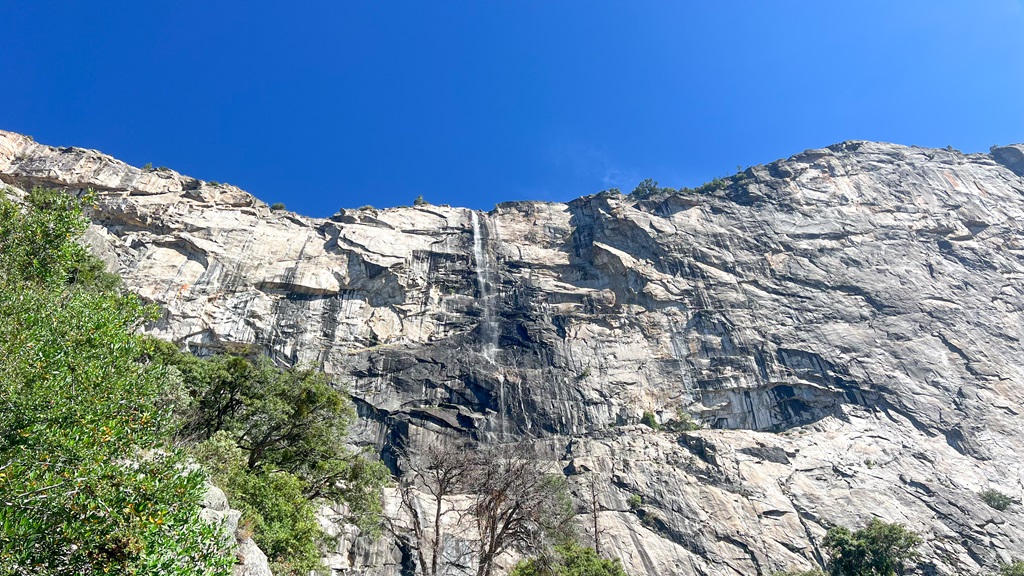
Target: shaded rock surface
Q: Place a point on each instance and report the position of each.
(846, 323)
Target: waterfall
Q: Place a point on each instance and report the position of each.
(489, 324)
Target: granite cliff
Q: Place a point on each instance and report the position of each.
(846, 323)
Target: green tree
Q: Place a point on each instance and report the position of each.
(274, 439)
(880, 549)
(569, 559)
(88, 480)
(646, 188)
(284, 420)
(419, 201)
(282, 519)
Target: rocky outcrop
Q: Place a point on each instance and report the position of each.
(846, 323)
(251, 561)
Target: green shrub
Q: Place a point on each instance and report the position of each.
(996, 499)
(419, 201)
(635, 501)
(274, 440)
(277, 206)
(1015, 569)
(714, 185)
(213, 183)
(684, 422)
(284, 420)
(148, 166)
(569, 559)
(880, 549)
(649, 420)
(91, 483)
(645, 189)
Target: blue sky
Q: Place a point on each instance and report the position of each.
(323, 105)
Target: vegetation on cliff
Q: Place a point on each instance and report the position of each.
(274, 439)
(98, 424)
(88, 479)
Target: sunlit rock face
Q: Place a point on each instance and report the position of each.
(846, 323)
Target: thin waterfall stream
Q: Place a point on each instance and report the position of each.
(488, 322)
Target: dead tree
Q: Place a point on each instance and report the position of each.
(518, 503)
(441, 470)
(594, 503)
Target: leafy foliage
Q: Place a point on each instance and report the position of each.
(879, 549)
(683, 422)
(274, 439)
(648, 188)
(419, 201)
(648, 419)
(1015, 569)
(88, 481)
(283, 420)
(570, 559)
(282, 519)
(997, 499)
(38, 245)
(277, 206)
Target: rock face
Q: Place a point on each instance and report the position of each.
(847, 324)
(215, 510)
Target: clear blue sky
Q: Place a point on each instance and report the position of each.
(324, 105)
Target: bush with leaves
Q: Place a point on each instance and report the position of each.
(1014, 569)
(997, 499)
(88, 480)
(569, 559)
(879, 549)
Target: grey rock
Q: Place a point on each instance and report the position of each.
(215, 510)
(1010, 156)
(251, 560)
(846, 323)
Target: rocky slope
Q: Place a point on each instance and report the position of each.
(846, 323)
